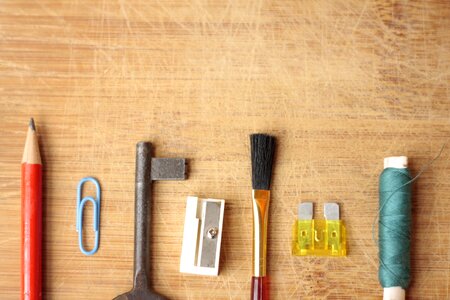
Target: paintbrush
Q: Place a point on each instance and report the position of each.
(262, 152)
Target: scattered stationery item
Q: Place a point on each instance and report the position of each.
(394, 224)
(31, 226)
(202, 236)
(147, 170)
(96, 221)
(394, 227)
(319, 237)
(262, 154)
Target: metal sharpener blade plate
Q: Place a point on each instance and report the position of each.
(209, 245)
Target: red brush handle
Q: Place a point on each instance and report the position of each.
(260, 288)
(31, 271)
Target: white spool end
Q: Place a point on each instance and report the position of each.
(399, 162)
(394, 293)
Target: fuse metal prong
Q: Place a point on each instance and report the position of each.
(305, 211)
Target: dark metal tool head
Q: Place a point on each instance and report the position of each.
(147, 170)
(140, 294)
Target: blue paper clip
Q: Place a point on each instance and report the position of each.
(80, 207)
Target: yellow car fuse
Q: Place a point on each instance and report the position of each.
(324, 237)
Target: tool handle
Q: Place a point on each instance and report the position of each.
(260, 288)
(143, 212)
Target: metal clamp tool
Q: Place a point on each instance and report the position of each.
(147, 170)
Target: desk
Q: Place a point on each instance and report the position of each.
(342, 84)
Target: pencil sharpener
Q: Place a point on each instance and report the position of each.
(319, 237)
(202, 236)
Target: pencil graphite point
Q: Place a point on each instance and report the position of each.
(31, 153)
(31, 124)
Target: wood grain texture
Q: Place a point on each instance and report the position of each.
(342, 84)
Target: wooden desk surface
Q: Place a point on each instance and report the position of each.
(342, 84)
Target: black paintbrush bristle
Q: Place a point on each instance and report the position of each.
(262, 151)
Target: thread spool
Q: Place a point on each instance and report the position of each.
(395, 206)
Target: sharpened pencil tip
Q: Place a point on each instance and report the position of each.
(31, 124)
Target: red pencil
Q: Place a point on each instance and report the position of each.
(31, 271)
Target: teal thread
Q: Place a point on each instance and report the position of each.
(394, 227)
(424, 168)
(386, 279)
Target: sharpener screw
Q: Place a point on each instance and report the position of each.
(212, 232)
